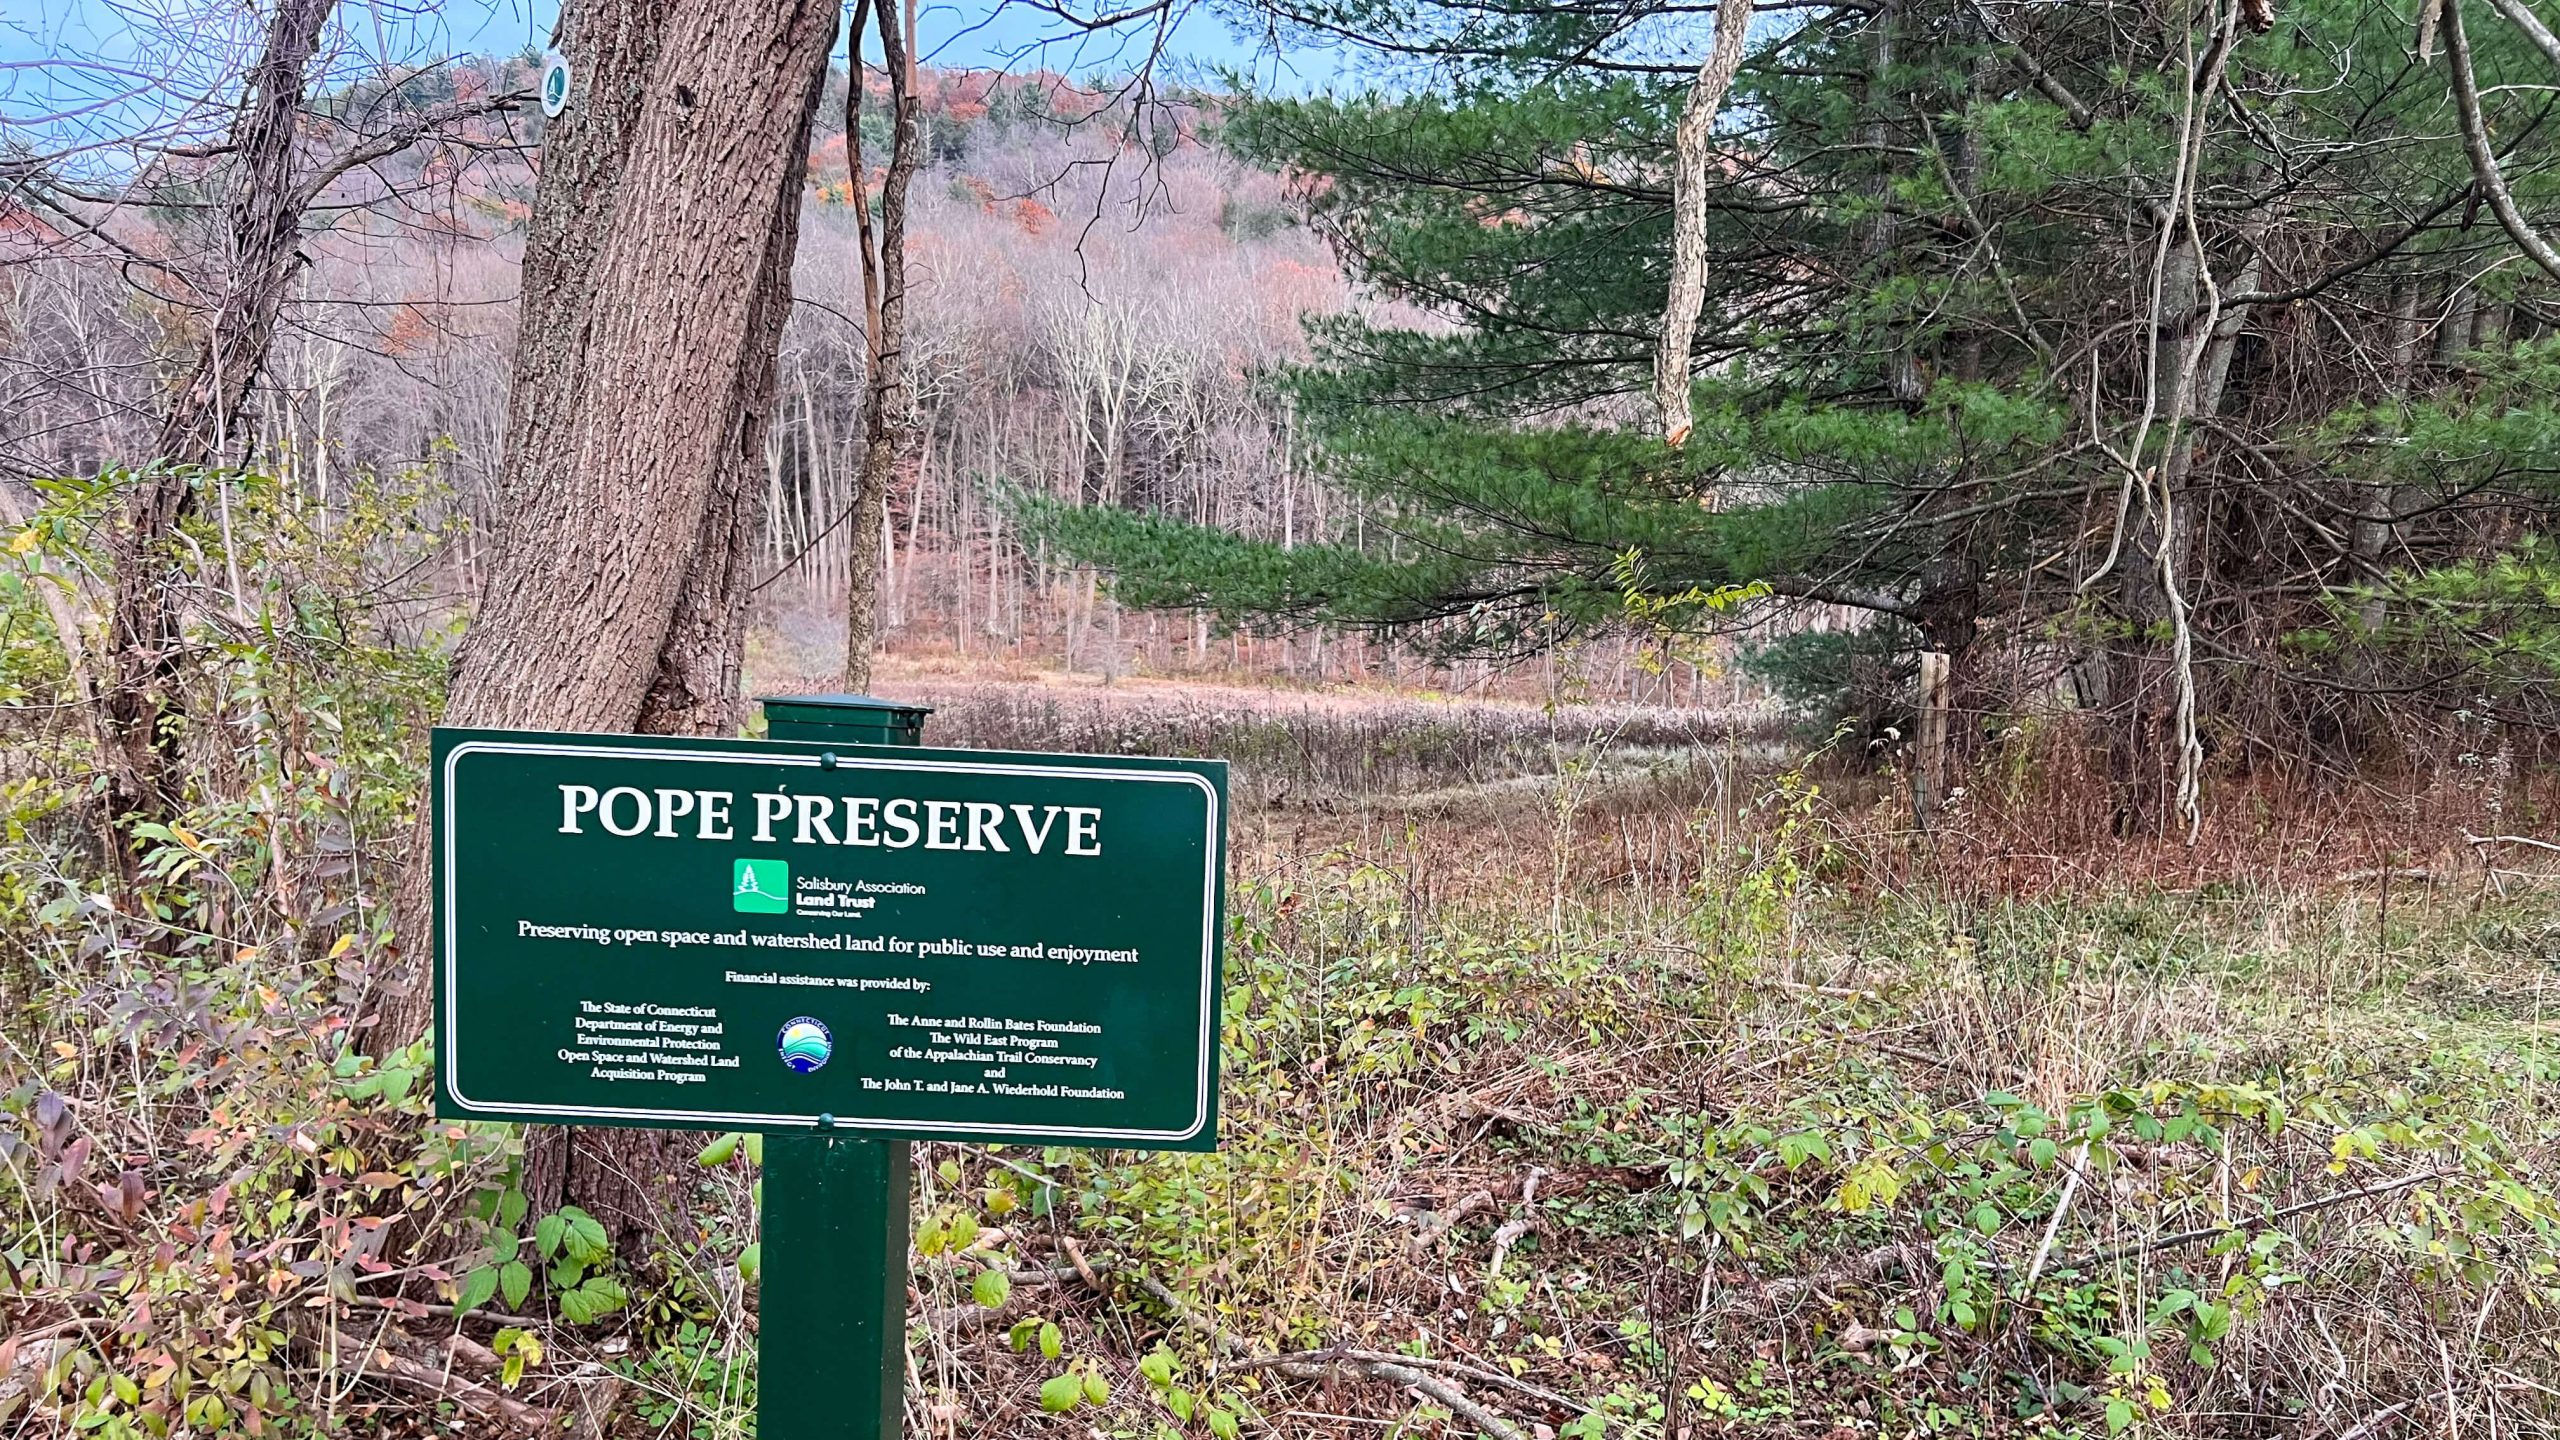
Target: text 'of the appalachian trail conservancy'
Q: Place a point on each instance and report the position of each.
(728, 934)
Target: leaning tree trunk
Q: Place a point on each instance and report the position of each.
(2139, 685)
(1691, 136)
(885, 433)
(263, 232)
(657, 275)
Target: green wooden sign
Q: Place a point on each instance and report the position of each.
(930, 944)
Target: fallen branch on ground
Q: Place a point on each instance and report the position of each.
(1941, 1062)
(598, 1399)
(1522, 1221)
(1454, 1367)
(1430, 1225)
(969, 1317)
(421, 1309)
(1561, 1184)
(2478, 841)
(2061, 1211)
(1828, 992)
(473, 1397)
(1400, 1370)
(1857, 1269)
(2238, 1227)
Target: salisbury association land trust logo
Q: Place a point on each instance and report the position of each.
(805, 1044)
(761, 887)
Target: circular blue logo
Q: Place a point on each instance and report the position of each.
(555, 84)
(805, 1044)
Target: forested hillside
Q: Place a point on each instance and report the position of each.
(1093, 320)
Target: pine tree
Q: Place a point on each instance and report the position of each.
(2035, 323)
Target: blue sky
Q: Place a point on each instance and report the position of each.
(93, 72)
(39, 29)
(91, 76)
(62, 55)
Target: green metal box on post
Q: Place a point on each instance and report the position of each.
(852, 719)
(832, 1315)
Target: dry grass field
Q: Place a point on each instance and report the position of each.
(1604, 1070)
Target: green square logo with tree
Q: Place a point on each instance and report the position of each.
(761, 887)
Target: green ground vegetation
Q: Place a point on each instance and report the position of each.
(1622, 1100)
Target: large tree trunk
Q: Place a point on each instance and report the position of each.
(263, 231)
(656, 279)
(885, 434)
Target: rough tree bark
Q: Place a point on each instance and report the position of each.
(263, 230)
(1690, 156)
(657, 276)
(885, 434)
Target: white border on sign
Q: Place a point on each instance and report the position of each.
(451, 1057)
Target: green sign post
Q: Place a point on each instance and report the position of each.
(844, 941)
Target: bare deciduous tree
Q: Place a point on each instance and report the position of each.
(885, 431)
(265, 215)
(1691, 155)
(2475, 127)
(266, 173)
